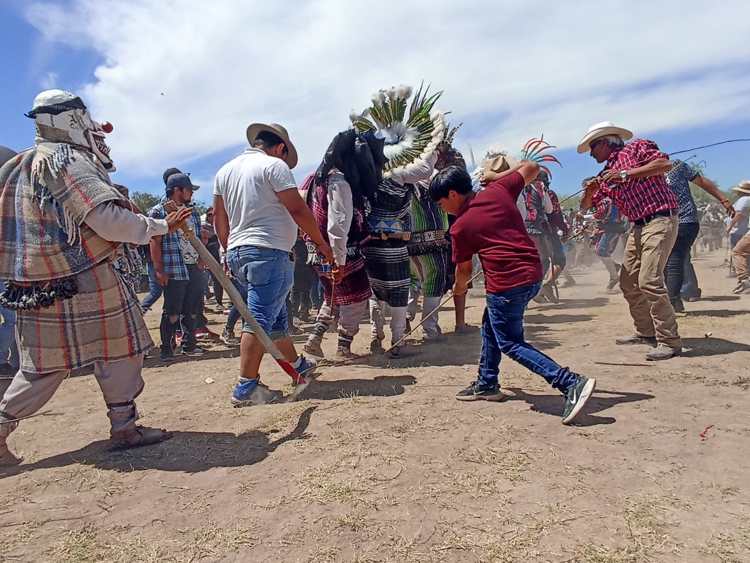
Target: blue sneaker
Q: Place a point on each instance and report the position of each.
(250, 392)
(306, 368)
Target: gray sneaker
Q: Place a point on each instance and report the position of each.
(576, 397)
(663, 352)
(636, 339)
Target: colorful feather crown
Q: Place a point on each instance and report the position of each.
(408, 139)
(538, 151)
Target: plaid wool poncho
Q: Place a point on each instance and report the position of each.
(45, 195)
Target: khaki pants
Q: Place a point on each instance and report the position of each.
(120, 382)
(740, 257)
(642, 280)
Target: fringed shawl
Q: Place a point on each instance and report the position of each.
(45, 195)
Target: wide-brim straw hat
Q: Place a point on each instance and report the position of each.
(255, 129)
(602, 129)
(743, 187)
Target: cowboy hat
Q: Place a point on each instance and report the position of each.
(602, 129)
(254, 129)
(743, 187)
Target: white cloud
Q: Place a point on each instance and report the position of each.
(49, 80)
(182, 79)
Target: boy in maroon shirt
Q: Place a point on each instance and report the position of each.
(488, 223)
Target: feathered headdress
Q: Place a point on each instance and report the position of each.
(448, 155)
(537, 150)
(408, 138)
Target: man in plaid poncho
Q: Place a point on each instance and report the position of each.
(62, 229)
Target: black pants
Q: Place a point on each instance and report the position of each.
(218, 290)
(182, 298)
(680, 256)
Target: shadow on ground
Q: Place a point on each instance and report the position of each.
(719, 298)
(698, 347)
(599, 401)
(556, 319)
(573, 304)
(189, 452)
(380, 386)
(720, 313)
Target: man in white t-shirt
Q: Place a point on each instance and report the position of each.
(741, 250)
(257, 210)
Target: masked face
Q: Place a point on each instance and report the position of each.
(76, 127)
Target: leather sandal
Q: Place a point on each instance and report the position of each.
(137, 437)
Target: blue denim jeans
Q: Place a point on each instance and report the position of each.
(265, 276)
(502, 333)
(8, 346)
(154, 289)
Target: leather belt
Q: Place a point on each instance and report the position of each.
(649, 218)
(428, 236)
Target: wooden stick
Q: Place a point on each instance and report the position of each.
(239, 302)
(434, 311)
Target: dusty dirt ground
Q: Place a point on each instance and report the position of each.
(379, 462)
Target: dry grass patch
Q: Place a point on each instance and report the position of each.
(352, 521)
(323, 486)
(647, 536)
(729, 548)
(214, 540)
(79, 545)
(510, 464)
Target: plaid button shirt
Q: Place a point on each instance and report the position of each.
(171, 255)
(638, 198)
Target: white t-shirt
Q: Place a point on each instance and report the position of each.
(249, 184)
(742, 205)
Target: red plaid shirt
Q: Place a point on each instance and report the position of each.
(637, 198)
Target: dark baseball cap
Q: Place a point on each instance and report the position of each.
(168, 172)
(180, 180)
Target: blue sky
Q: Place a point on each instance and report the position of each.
(246, 62)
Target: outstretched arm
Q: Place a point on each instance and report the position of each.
(710, 187)
(117, 224)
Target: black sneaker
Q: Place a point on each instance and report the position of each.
(480, 391)
(193, 352)
(576, 397)
(166, 356)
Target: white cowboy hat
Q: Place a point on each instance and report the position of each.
(743, 187)
(254, 129)
(601, 130)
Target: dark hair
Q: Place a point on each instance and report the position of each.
(267, 140)
(451, 178)
(168, 172)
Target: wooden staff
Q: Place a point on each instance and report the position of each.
(428, 316)
(239, 302)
